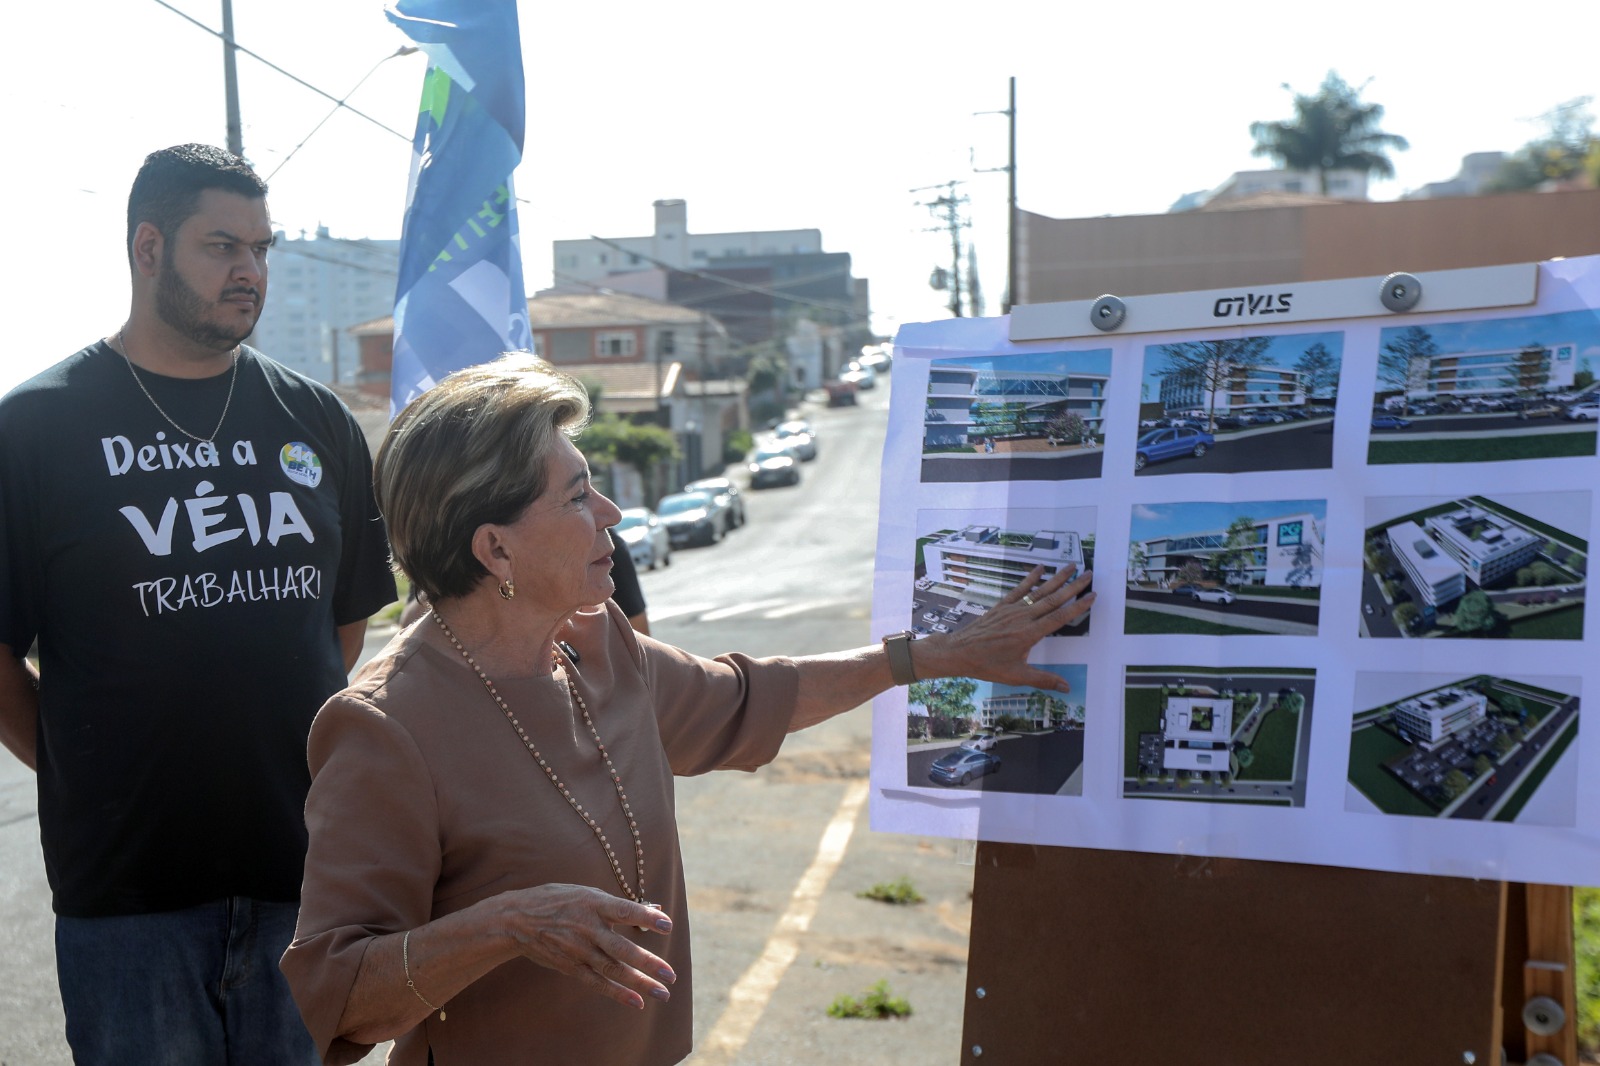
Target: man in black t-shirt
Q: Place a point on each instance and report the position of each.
(188, 530)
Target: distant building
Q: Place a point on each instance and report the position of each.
(319, 288)
(1487, 546)
(1476, 170)
(1437, 577)
(1197, 733)
(1247, 184)
(1287, 552)
(1506, 372)
(956, 392)
(981, 563)
(1434, 717)
(1238, 389)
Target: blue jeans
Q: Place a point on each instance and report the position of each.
(196, 987)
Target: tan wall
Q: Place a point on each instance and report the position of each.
(1081, 258)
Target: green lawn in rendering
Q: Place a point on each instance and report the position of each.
(1137, 621)
(1480, 449)
(1513, 806)
(1370, 748)
(1142, 714)
(1274, 748)
(1563, 624)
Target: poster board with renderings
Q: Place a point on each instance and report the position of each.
(1342, 611)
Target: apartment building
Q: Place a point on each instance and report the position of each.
(1439, 579)
(320, 287)
(1196, 733)
(1232, 390)
(958, 395)
(982, 562)
(1435, 717)
(1284, 551)
(1487, 546)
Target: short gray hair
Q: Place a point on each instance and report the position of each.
(469, 451)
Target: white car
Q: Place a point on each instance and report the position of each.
(981, 742)
(798, 436)
(1213, 595)
(647, 539)
(862, 376)
(1587, 411)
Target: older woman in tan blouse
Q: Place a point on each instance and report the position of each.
(494, 862)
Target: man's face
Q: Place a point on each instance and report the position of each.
(213, 278)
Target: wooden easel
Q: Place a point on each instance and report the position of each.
(1083, 956)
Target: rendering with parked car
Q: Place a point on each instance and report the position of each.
(1170, 443)
(960, 766)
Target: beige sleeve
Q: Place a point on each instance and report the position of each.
(372, 864)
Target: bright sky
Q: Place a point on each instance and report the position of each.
(819, 115)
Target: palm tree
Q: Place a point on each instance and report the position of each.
(1332, 130)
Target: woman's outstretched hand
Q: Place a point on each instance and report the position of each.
(572, 930)
(995, 646)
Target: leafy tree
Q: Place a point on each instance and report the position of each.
(1318, 369)
(1503, 744)
(1455, 783)
(1068, 425)
(1239, 548)
(1403, 615)
(1583, 378)
(1482, 765)
(1396, 356)
(1137, 561)
(949, 698)
(1191, 572)
(611, 439)
(1214, 364)
(999, 419)
(1476, 613)
(1332, 129)
(1562, 151)
(1544, 573)
(1511, 706)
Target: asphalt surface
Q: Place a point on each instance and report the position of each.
(1292, 446)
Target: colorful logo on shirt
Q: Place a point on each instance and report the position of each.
(301, 464)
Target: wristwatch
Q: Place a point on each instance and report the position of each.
(898, 647)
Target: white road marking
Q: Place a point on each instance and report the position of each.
(799, 608)
(739, 608)
(661, 614)
(748, 998)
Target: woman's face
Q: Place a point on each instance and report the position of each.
(561, 551)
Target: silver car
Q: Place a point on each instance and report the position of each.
(647, 539)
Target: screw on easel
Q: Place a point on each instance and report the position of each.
(980, 992)
(977, 1051)
(1400, 291)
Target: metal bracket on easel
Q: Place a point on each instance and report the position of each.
(1471, 289)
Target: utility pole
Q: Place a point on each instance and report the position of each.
(1011, 198)
(949, 205)
(230, 81)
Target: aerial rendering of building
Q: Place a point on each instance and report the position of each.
(1506, 372)
(1434, 717)
(1438, 578)
(1486, 545)
(982, 562)
(1288, 551)
(1235, 390)
(956, 393)
(1196, 733)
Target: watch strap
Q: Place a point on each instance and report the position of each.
(898, 647)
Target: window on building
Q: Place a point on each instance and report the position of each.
(614, 342)
(698, 253)
(602, 258)
(634, 260)
(667, 342)
(569, 262)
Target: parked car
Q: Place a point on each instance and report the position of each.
(1587, 411)
(1212, 595)
(940, 627)
(980, 742)
(1170, 443)
(862, 376)
(799, 436)
(840, 393)
(877, 360)
(727, 494)
(1185, 590)
(648, 541)
(1540, 410)
(960, 766)
(773, 464)
(1390, 422)
(693, 518)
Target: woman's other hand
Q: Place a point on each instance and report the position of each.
(572, 929)
(995, 646)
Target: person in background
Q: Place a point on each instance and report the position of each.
(494, 860)
(188, 529)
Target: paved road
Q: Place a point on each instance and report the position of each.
(1078, 463)
(1038, 764)
(1295, 446)
(1246, 611)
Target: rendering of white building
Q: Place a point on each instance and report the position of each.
(1434, 717)
(1196, 733)
(1438, 577)
(1231, 390)
(957, 393)
(1286, 550)
(981, 563)
(1486, 545)
(1506, 372)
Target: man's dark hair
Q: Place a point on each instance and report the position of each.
(168, 187)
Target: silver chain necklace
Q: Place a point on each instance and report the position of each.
(122, 343)
(549, 771)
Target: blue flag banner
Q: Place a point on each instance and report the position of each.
(460, 298)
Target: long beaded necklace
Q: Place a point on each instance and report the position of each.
(572, 801)
(122, 342)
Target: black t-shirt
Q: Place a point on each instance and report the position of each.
(628, 595)
(186, 600)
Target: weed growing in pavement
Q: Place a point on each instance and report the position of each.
(877, 1003)
(901, 892)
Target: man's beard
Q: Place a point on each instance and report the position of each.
(183, 309)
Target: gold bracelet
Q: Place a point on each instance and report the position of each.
(405, 964)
